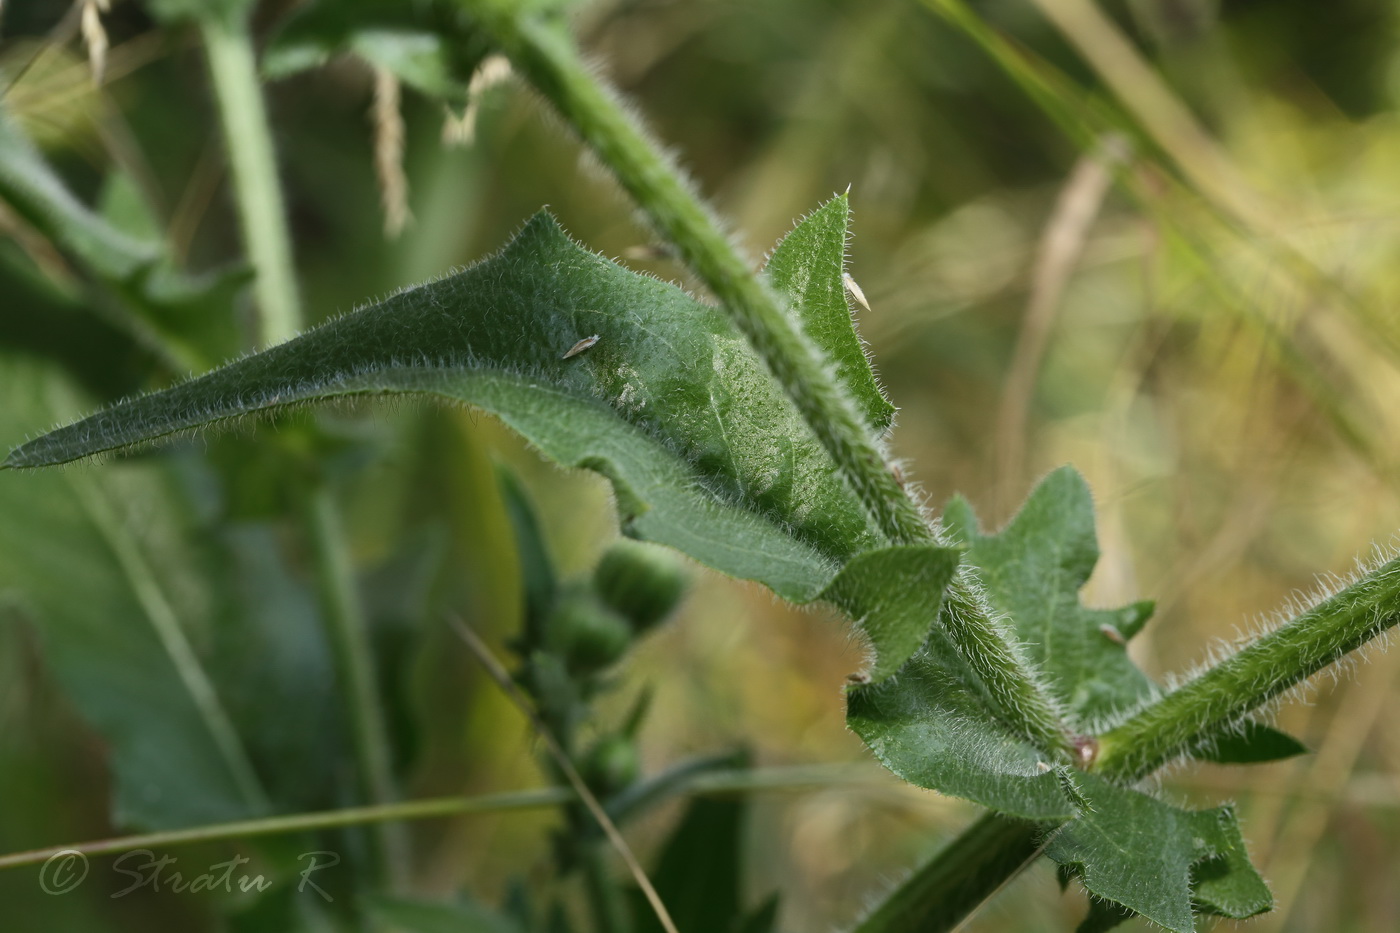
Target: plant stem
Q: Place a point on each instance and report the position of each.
(739, 781)
(304, 822)
(354, 656)
(963, 875)
(609, 909)
(1208, 705)
(233, 71)
(1220, 697)
(547, 57)
(1021, 699)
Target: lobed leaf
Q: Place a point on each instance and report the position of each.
(930, 724)
(1033, 570)
(1158, 860)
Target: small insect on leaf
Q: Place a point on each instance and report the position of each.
(582, 345)
(1112, 634)
(855, 290)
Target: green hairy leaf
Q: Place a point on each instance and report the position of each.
(807, 267)
(1033, 570)
(1158, 860)
(432, 47)
(929, 724)
(704, 451)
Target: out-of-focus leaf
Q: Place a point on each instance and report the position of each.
(656, 789)
(536, 567)
(412, 916)
(1033, 570)
(186, 644)
(807, 266)
(1156, 859)
(432, 46)
(101, 596)
(700, 873)
(43, 318)
(598, 367)
(269, 659)
(36, 193)
(187, 317)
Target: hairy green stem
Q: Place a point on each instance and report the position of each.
(349, 635)
(547, 57)
(1220, 697)
(1022, 701)
(233, 72)
(963, 875)
(1206, 706)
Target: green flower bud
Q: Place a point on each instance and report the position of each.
(644, 582)
(587, 635)
(611, 765)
